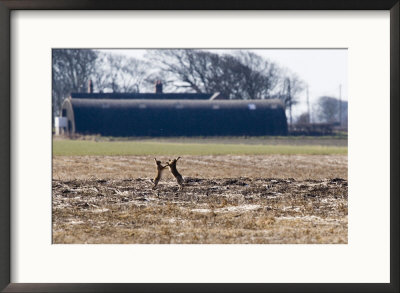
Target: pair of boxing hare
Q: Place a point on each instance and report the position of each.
(171, 164)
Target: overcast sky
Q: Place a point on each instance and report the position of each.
(323, 70)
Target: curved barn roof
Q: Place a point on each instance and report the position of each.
(142, 117)
(172, 104)
(146, 96)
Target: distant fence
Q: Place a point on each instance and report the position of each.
(316, 129)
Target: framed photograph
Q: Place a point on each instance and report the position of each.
(205, 146)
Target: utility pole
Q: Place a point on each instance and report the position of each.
(289, 97)
(308, 107)
(340, 104)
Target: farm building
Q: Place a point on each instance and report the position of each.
(170, 114)
(174, 117)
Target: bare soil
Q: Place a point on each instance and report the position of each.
(226, 199)
(223, 166)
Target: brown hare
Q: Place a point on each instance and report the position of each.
(160, 169)
(172, 167)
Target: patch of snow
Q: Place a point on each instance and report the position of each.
(98, 211)
(240, 208)
(201, 210)
(295, 209)
(76, 222)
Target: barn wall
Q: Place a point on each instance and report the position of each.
(178, 118)
(67, 111)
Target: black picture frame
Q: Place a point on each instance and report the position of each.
(6, 7)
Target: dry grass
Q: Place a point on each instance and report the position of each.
(227, 199)
(210, 166)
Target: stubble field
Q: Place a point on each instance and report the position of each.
(226, 199)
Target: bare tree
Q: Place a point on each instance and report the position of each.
(182, 69)
(71, 71)
(291, 86)
(304, 118)
(328, 109)
(262, 76)
(244, 75)
(118, 73)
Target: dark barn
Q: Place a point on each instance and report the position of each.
(129, 116)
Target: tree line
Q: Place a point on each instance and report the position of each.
(237, 75)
